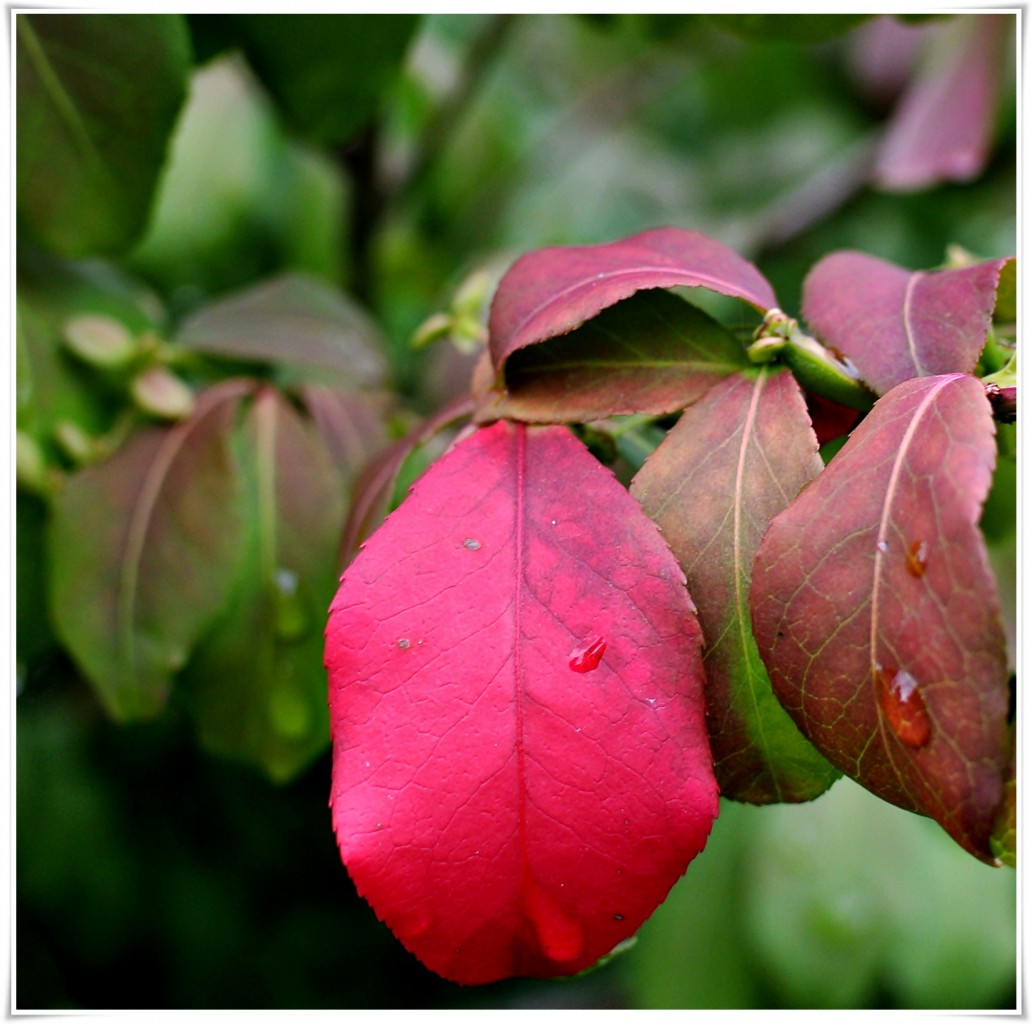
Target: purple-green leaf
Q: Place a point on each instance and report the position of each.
(143, 551)
(876, 612)
(651, 353)
(551, 291)
(292, 320)
(894, 323)
(734, 460)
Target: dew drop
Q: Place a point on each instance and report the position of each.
(404, 644)
(903, 706)
(883, 546)
(585, 657)
(472, 543)
(618, 917)
(917, 558)
(553, 522)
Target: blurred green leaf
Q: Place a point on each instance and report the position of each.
(34, 631)
(256, 684)
(791, 28)
(97, 99)
(329, 72)
(848, 896)
(143, 549)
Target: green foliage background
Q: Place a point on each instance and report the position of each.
(156, 867)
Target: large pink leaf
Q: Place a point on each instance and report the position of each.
(895, 323)
(521, 769)
(549, 292)
(733, 461)
(877, 614)
(944, 126)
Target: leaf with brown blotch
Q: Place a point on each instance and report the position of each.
(877, 615)
(143, 552)
(549, 292)
(520, 766)
(651, 353)
(732, 462)
(894, 323)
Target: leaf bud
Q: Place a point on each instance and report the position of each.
(98, 340)
(161, 393)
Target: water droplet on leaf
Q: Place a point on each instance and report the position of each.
(404, 644)
(883, 546)
(903, 706)
(586, 656)
(917, 558)
(472, 543)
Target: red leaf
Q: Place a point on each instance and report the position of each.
(651, 353)
(944, 126)
(507, 807)
(895, 323)
(877, 615)
(549, 292)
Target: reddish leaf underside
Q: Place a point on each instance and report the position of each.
(520, 768)
(895, 323)
(732, 462)
(652, 353)
(945, 123)
(877, 614)
(551, 291)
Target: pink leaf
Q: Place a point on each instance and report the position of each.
(521, 769)
(549, 292)
(876, 612)
(894, 323)
(944, 126)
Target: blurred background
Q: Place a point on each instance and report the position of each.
(155, 868)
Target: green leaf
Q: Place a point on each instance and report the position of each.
(789, 28)
(257, 685)
(143, 549)
(97, 98)
(329, 73)
(34, 632)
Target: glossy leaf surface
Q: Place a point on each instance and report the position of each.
(97, 100)
(504, 810)
(895, 323)
(551, 291)
(876, 612)
(293, 320)
(256, 684)
(944, 126)
(652, 353)
(143, 548)
(732, 462)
